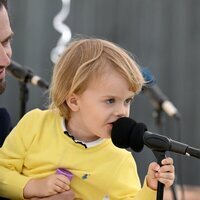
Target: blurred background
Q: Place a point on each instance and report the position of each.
(162, 35)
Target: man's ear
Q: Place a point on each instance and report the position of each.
(72, 102)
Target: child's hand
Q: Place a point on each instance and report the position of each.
(164, 174)
(67, 195)
(51, 185)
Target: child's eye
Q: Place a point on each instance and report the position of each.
(129, 100)
(109, 101)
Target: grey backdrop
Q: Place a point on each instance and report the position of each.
(163, 35)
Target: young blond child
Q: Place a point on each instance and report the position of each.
(92, 86)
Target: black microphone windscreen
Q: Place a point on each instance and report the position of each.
(127, 133)
(136, 142)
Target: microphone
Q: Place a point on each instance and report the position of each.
(128, 133)
(26, 75)
(159, 99)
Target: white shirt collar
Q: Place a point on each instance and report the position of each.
(87, 144)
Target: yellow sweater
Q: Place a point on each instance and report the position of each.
(37, 146)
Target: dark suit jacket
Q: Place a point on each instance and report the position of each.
(5, 128)
(5, 125)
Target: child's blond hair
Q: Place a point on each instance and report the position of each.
(84, 59)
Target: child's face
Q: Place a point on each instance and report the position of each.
(104, 101)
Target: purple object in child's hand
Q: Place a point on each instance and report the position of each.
(65, 172)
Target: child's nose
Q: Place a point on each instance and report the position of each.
(121, 111)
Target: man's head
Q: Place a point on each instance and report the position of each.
(5, 48)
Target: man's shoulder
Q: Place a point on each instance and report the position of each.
(5, 124)
(3, 112)
(4, 117)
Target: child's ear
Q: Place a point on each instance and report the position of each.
(72, 102)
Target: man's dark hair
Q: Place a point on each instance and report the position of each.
(3, 3)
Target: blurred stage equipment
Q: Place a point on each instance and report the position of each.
(24, 76)
(159, 99)
(63, 29)
(161, 103)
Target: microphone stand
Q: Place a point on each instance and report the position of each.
(160, 188)
(157, 113)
